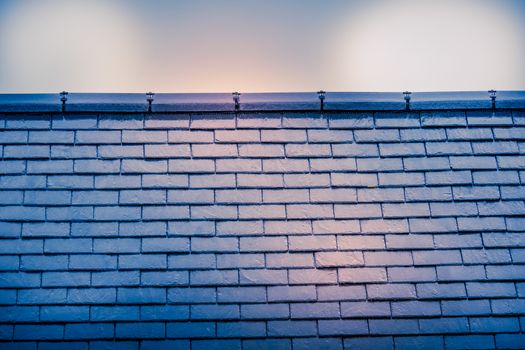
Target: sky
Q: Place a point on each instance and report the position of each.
(261, 46)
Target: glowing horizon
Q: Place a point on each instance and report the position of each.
(291, 46)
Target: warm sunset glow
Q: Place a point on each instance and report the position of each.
(210, 46)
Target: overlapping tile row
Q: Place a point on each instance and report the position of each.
(355, 230)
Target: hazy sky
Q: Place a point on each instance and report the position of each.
(261, 45)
